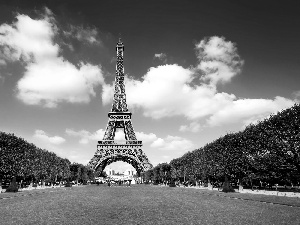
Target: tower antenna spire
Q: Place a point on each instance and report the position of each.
(120, 37)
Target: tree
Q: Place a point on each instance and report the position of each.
(149, 175)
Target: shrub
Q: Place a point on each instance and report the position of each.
(68, 184)
(227, 187)
(155, 183)
(13, 187)
(172, 183)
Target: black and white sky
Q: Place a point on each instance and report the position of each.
(195, 70)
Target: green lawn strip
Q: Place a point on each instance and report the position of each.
(222, 210)
(140, 204)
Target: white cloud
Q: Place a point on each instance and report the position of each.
(86, 136)
(87, 35)
(2, 62)
(28, 39)
(248, 110)
(161, 92)
(43, 136)
(296, 96)
(107, 94)
(146, 138)
(49, 78)
(171, 90)
(168, 143)
(166, 91)
(218, 59)
(192, 127)
(172, 143)
(54, 81)
(161, 56)
(120, 136)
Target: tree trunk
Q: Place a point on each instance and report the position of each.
(209, 185)
(226, 186)
(240, 185)
(31, 183)
(13, 187)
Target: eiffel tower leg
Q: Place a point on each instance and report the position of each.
(110, 131)
(129, 131)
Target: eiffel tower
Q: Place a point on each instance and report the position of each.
(108, 151)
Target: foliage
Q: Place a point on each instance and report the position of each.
(24, 160)
(268, 152)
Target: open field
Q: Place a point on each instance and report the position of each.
(141, 204)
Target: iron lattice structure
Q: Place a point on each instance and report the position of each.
(108, 151)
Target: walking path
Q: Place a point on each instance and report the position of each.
(249, 191)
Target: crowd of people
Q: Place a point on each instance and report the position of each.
(111, 182)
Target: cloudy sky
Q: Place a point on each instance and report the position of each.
(195, 70)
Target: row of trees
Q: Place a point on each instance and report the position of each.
(264, 153)
(24, 160)
(160, 174)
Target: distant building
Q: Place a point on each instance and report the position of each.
(117, 175)
(110, 172)
(129, 172)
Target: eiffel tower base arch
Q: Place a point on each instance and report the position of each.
(131, 153)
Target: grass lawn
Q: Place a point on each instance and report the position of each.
(143, 204)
